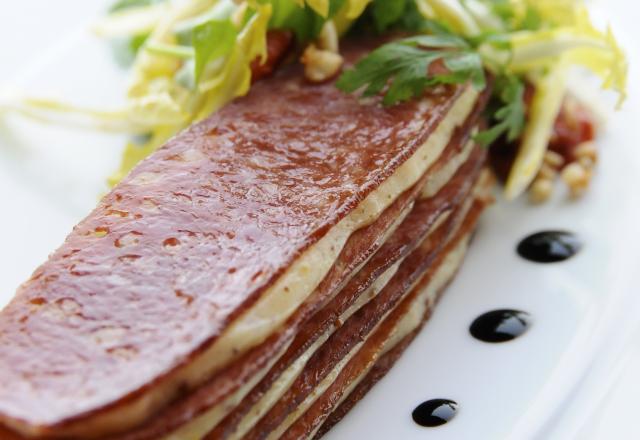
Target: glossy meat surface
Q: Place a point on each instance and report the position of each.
(357, 251)
(191, 238)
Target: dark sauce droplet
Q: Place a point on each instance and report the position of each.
(549, 246)
(434, 412)
(500, 325)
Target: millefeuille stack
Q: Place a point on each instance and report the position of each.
(255, 276)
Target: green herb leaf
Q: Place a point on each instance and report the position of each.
(402, 67)
(386, 13)
(510, 118)
(305, 23)
(212, 39)
(441, 41)
(400, 15)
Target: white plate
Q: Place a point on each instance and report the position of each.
(544, 384)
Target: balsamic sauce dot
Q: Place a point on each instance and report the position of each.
(549, 246)
(434, 412)
(500, 325)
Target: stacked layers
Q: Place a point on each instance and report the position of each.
(255, 276)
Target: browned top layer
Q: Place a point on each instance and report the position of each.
(155, 273)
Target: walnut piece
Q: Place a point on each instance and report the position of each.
(322, 60)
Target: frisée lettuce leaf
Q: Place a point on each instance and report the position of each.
(518, 41)
(191, 57)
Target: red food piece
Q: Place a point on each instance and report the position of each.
(574, 125)
(278, 45)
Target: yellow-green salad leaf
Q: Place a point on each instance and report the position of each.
(194, 56)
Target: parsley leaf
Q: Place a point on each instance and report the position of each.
(211, 40)
(510, 118)
(401, 68)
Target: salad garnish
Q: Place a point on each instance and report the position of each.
(191, 57)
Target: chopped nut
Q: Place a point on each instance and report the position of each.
(547, 172)
(540, 190)
(553, 159)
(577, 178)
(321, 59)
(320, 65)
(586, 162)
(587, 150)
(328, 38)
